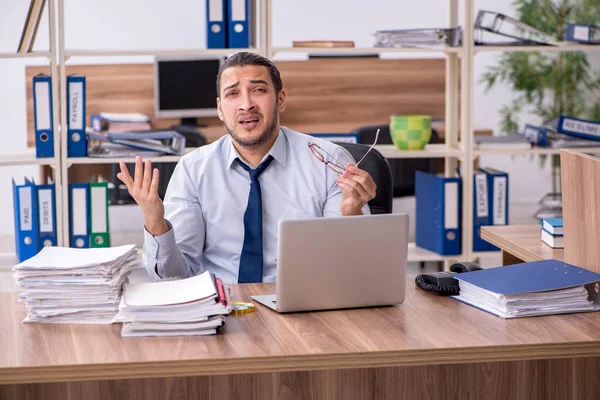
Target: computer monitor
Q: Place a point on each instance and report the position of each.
(185, 87)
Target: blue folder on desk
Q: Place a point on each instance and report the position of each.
(533, 288)
(438, 216)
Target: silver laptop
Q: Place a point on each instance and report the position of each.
(340, 262)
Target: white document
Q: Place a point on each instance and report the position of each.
(68, 258)
(169, 292)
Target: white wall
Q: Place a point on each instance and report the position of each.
(140, 24)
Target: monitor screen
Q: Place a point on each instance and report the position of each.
(186, 87)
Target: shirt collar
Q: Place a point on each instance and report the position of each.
(279, 150)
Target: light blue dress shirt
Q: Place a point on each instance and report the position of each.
(207, 197)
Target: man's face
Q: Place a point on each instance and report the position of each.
(249, 106)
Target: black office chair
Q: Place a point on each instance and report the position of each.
(403, 170)
(379, 169)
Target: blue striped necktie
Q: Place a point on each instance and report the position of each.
(251, 260)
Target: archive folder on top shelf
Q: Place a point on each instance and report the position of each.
(46, 201)
(239, 29)
(43, 120)
(26, 223)
(77, 141)
(438, 213)
(216, 24)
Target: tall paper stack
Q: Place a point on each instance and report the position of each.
(69, 285)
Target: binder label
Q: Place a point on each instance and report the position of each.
(79, 211)
(215, 10)
(76, 103)
(238, 10)
(42, 97)
(587, 128)
(581, 33)
(25, 208)
(499, 200)
(99, 199)
(481, 195)
(45, 210)
(451, 205)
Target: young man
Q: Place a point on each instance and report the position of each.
(224, 201)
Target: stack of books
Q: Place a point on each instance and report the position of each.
(553, 232)
(69, 285)
(529, 289)
(185, 307)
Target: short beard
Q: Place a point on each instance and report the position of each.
(255, 142)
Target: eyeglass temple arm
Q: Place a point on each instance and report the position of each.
(373, 145)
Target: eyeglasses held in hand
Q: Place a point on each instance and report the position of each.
(331, 161)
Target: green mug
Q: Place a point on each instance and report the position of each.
(410, 132)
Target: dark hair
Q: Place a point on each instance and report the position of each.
(244, 58)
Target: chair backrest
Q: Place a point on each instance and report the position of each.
(403, 169)
(379, 169)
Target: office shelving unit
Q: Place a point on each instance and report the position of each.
(28, 157)
(459, 68)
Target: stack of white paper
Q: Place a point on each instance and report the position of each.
(68, 285)
(574, 299)
(192, 306)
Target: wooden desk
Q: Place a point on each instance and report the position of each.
(520, 243)
(430, 347)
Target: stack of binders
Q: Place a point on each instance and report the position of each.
(553, 232)
(439, 209)
(35, 218)
(229, 24)
(88, 215)
(185, 307)
(64, 285)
